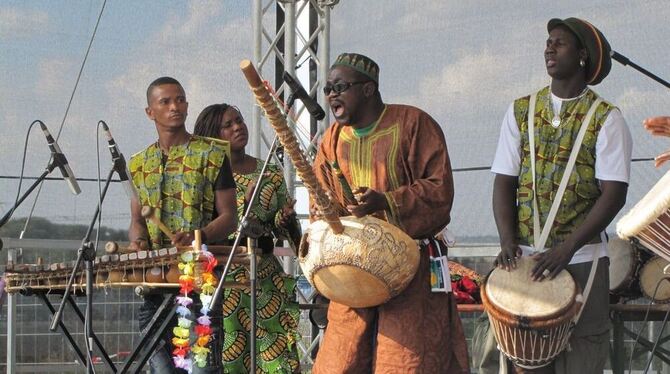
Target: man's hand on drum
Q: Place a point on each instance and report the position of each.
(659, 126)
(548, 264)
(369, 202)
(507, 257)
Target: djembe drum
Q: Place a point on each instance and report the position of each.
(649, 220)
(532, 320)
(654, 280)
(626, 260)
(356, 262)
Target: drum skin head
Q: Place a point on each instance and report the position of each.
(515, 292)
(651, 276)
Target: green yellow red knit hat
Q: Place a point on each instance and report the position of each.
(360, 63)
(599, 62)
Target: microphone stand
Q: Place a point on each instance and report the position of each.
(623, 60)
(86, 253)
(56, 161)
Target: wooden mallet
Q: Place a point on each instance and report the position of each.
(148, 213)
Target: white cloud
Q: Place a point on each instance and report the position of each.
(202, 57)
(53, 76)
(17, 23)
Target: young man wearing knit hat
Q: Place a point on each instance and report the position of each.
(394, 157)
(529, 171)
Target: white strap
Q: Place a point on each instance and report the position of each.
(538, 243)
(589, 283)
(531, 141)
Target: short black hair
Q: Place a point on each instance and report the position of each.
(159, 82)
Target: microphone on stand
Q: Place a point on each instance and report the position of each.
(616, 56)
(625, 61)
(60, 161)
(299, 92)
(119, 163)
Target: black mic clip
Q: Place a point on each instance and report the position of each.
(291, 100)
(57, 160)
(618, 57)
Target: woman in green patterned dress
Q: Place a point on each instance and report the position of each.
(272, 216)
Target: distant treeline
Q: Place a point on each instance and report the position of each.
(42, 228)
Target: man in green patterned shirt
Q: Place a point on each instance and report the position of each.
(542, 130)
(188, 182)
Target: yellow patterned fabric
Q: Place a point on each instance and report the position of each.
(179, 185)
(553, 147)
(278, 311)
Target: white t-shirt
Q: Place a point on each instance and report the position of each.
(613, 154)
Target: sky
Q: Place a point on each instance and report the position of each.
(462, 62)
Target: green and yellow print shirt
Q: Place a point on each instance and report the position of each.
(553, 147)
(179, 185)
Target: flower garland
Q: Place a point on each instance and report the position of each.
(203, 330)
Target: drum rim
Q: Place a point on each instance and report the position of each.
(547, 317)
(524, 322)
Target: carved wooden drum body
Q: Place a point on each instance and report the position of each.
(532, 321)
(366, 265)
(649, 220)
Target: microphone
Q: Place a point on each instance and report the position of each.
(119, 163)
(623, 60)
(60, 161)
(299, 92)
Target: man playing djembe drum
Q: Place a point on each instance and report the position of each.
(395, 159)
(188, 181)
(576, 55)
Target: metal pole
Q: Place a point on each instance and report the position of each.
(256, 19)
(324, 57)
(251, 245)
(289, 66)
(11, 320)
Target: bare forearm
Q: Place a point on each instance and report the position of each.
(138, 230)
(138, 225)
(221, 227)
(504, 208)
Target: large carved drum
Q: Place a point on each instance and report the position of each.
(366, 265)
(649, 220)
(532, 321)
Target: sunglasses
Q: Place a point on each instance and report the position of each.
(340, 87)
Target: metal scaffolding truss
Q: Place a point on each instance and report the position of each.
(289, 33)
(294, 35)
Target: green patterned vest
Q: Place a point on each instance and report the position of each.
(180, 187)
(553, 147)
